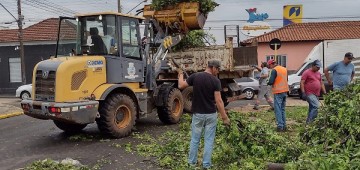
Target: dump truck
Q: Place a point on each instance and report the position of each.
(235, 63)
(106, 71)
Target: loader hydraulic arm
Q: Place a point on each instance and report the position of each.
(163, 44)
(165, 28)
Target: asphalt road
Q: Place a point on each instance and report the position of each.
(24, 140)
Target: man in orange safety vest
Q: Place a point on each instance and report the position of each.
(278, 79)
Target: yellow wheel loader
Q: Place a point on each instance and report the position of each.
(106, 71)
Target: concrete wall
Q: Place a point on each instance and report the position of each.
(296, 52)
(33, 54)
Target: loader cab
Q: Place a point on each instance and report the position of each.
(114, 36)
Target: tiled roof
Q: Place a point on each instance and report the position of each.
(313, 31)
(45, 30)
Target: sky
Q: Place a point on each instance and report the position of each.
(230, 12)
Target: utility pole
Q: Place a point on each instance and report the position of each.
(21, 36)
(119, 6)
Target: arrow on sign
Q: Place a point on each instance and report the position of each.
(294, 10)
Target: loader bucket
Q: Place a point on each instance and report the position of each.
(180, 18)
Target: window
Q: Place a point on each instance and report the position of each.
(15, 70)
(96, 35)
(130, 40)
(280, 59)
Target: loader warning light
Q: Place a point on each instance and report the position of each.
(54, 110)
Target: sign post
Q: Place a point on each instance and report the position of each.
(275, 44)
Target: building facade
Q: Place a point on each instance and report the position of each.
(299, 39)
(39, 44)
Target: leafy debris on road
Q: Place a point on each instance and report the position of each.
(49, 164)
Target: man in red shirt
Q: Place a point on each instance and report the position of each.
(310, 85)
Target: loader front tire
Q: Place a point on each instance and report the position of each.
(117, 116)
(173, 107)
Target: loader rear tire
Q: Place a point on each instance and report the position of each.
(117, 116)
(187, 95)
(69, 127)
(173, 107)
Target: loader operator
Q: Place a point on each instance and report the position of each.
(206, 97)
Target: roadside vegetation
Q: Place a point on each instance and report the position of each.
(332, 141)
(251, 142)
(206, 6)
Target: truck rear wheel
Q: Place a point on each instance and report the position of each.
(117, 116)
(172, 110)
(224, 98)
(187, 95)
(69, 127)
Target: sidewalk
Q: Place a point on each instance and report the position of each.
(295, 101)
(9, 107)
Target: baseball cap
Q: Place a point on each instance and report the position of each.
(349, 55)
(317, 63)
(271, 61)
(214, 63)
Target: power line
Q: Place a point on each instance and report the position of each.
(46, 8)
(56, 6)
(306, 25)
(281, 19)
(8, 11)
(42, 4)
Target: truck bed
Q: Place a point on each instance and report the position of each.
(232, 59)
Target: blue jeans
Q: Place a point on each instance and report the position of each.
(279, 107)
(313, 107)
(208, 123)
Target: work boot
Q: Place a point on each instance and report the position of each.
(278, 129)
(192, 166)
(256, 107)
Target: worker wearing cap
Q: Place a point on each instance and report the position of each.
(206, 97)
(343, 72)
(278, 81)
(310, 86)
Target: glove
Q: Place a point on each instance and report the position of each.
(303, 96)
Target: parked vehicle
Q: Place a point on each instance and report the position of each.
(24, 91)
(328, 52)
(233, 66)
(249, 86)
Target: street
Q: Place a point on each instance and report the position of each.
(24, 140)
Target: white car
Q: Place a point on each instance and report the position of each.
(24, 91)
(249, 86)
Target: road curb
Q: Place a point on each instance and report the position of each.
(8, 115)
